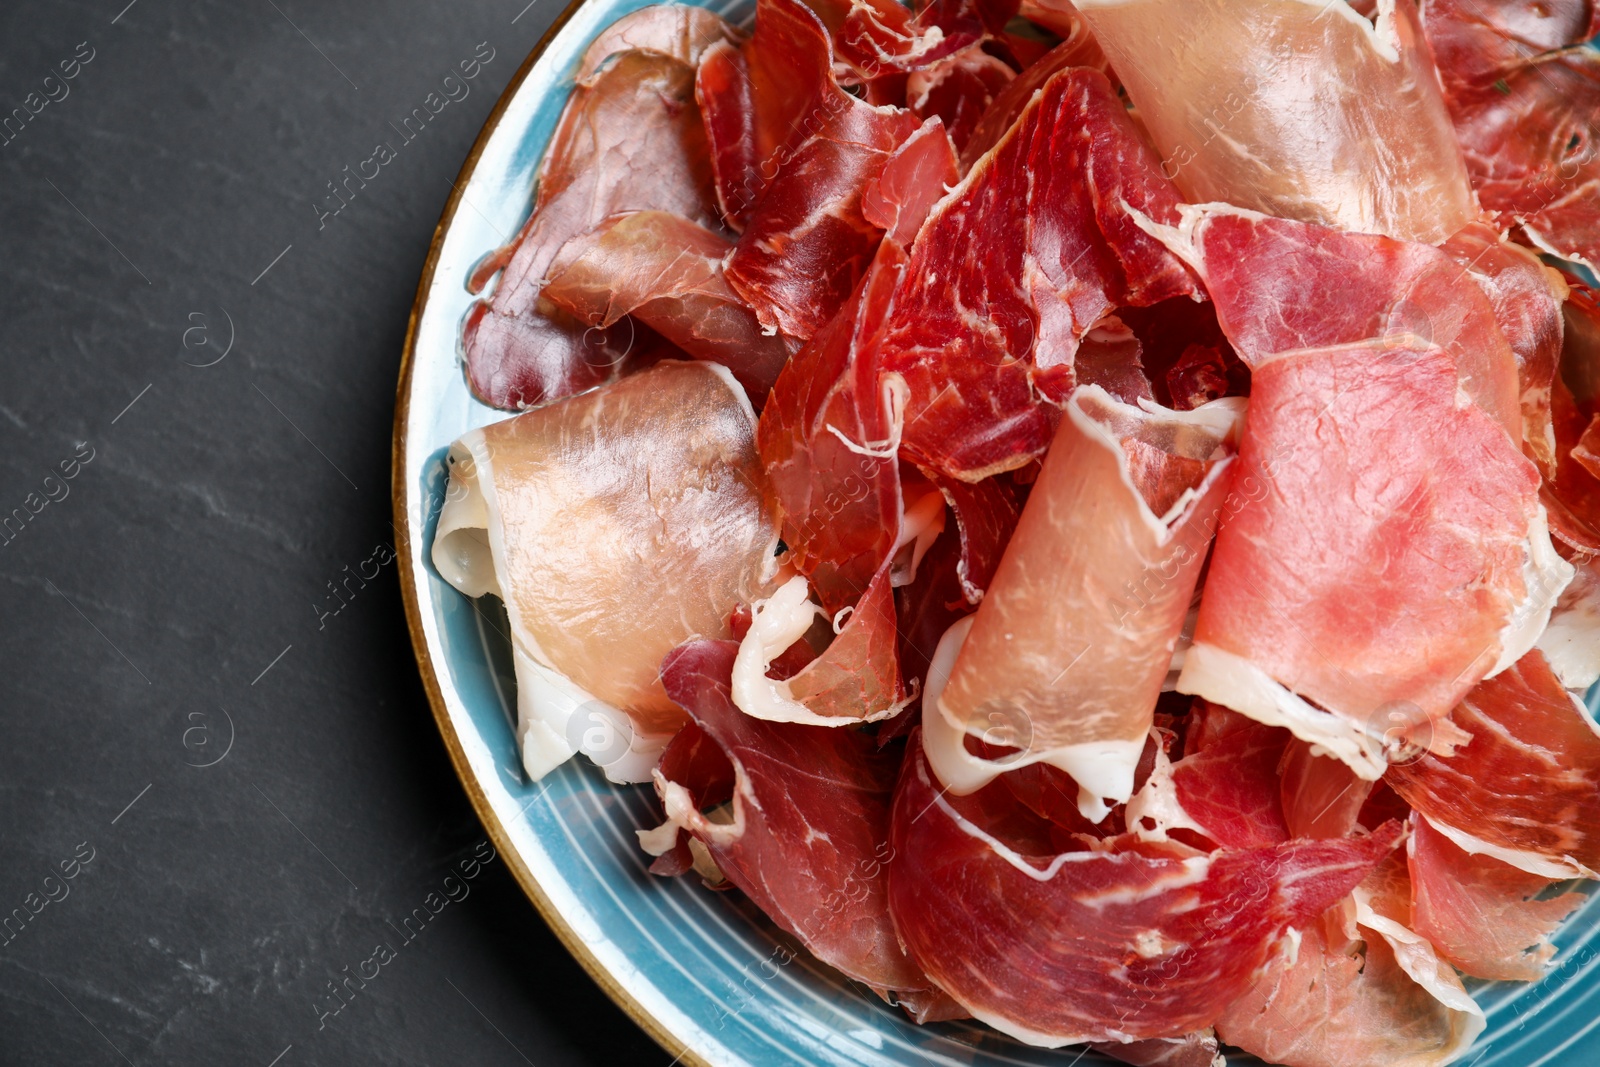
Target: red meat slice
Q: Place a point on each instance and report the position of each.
(1479, 913)
(1524, 94)
(805, 242)
(1526, 789)
(682, 31)
(629, 139)
(1124, 943)
(1230, 787)
(809, 837)
(1321, 796)
(1368, 566)
(958, 89)
(1011, 270)
(666, 272)
(914, 178)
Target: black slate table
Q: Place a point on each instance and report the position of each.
(217, 794)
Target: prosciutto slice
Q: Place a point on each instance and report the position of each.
(615, 525)
(1069, 649)
(666, 272)
(1120, 943)
(1011, 270)
(808, 840)
(681, 31)
(1481, 914)
(1526, 788)
(629, 139)
(1525, 96)
(815, 148)
(1300, 109)
(1370, 568)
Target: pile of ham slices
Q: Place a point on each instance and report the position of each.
(1088, 516)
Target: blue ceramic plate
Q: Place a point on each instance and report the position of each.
(702, 972)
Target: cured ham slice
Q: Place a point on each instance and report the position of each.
(808, 839)
(1482, 915)
(1526, 788)
(1300, 109)
(958, 89)
(629, 139)
(1571, 643)
(913, 179)
(666, 272)
(614, 525)
(1370, 573)
(1191, 1050)
(1102, 565)
(1321, 796)
(1280, 285)
(1078, 48)
(1011, 270)
(1324, 1003)
(805, 243)
(1525, 97)
(681, 31)
(1526, 297)
(1121, 943)
(1230, 787)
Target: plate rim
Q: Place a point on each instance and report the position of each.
(569, 938)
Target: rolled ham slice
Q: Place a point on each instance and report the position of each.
(1298, 108)
(615, 525)
(1069, 648)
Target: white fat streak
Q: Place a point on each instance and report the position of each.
(1416, 957)
(1103, 769)
(896, 394)
(1523, 860)
(1157, 800)
(920, 526)
(1545, 576)
(1380, 37)
(1233, 681)
(1160, 527)
(546, 703)
(461, 552)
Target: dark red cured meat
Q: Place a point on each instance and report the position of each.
(873, 39)
(912, 180)
(695, 761)
(858, 674)
(723, 91)
(1281, 285)
(682, 31)
(1116, 945)
(666, 272)
(1184, 352)
(1525, 98)
(631, 139)
(1526, 297)
(1479, 913)
(986, 513)
(805, 242)
(1529, 780)
(1230, 786)
(823, 440)
(815, 808)
(1077, 49)
(1321, 797)
(958, 89)
(1012, 269)
(924, 610)
(1191, 1050)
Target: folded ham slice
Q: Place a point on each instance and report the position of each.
(1297, 108)
(1526, 789)
(615, 525)
(629, 139)
(1121, 942)
(1524, 92)
(682, 31)
(1069, 649)
(1388, 551)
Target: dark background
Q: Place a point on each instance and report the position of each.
(139, 610)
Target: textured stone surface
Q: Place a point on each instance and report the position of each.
(190, 550)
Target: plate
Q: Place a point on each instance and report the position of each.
(702, 972)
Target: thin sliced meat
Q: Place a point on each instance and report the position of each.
(1072, 642)
(1280, 285)
(958, 89)
(805, 242)
(1525, 96)
(1123, 943)
(722, 90)
(875, 39)
(915, 177)
(614, 525)
(1190, 1050)
(1322, 1003)
(1526, 297)
(1301, 110)
(1571, 643)
(1480, 914)
(1526, 788)
(630, 139)
(666, 272)
(1384, 550)
(809, 837)
(681, 31)
(1230, 787)
(1012, 269)
(1321, 796)
(986, 515)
